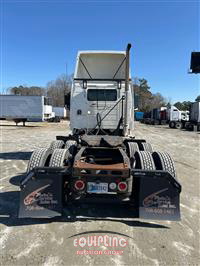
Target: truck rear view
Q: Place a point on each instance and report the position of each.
(101, 161)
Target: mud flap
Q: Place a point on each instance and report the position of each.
(158, 196)
(41, 193)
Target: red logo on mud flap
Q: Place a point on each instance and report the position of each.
(155, 200)
(33, 196)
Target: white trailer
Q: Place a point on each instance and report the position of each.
(60, 112)
(25, 108)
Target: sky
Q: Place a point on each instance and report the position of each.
(40, 40)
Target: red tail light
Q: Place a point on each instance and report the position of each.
(79, 185)
(122, 186)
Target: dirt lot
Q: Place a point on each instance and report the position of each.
(41, 242)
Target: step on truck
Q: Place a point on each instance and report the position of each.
(101, 161)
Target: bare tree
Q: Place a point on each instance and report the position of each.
(57, 89)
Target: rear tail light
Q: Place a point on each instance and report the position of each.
(122, 186)
(79, 185)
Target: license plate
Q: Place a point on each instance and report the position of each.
(97, 187)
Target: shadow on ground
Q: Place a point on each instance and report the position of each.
(21, 126)
(9, 207)
(20, 155)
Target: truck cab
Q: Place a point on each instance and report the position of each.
(98, 91)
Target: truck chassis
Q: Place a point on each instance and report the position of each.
(73, 171)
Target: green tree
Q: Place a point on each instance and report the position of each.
(198, 98)
(179, 105)
(146, 101)
(25, 90)
(183, 106)
(142, 93)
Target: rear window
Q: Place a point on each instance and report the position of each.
(101, 95)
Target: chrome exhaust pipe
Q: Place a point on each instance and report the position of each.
(125, 131)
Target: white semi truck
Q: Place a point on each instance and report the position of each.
(177, 118)
(25, 108)
(101, 161)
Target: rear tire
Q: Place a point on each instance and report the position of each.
(178, 125)
(71, 146)
(57, 144)
(163, 161)
(39, 158)
(59, 158)
(132, 148)
(144, 160)
(147, 147)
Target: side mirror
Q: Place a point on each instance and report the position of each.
(195, 62)
(67, 101)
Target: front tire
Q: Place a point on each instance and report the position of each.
(172, 124)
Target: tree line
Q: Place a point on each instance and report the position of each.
(185, 105)
(145, 100)
(56, 89)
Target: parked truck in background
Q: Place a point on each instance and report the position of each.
(163, 115)
(177, 118)
(157, 116)
(25, 108)
(139, 116)
(194, 117)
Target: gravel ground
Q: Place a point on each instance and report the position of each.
(42, 242)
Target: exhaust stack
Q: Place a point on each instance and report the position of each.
(125, 132)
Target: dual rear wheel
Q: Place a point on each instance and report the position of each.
(143, 157)
(57, 155)
(154, 161)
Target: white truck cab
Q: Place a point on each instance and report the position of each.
(98, 90)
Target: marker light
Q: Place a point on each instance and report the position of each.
(79, 185)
